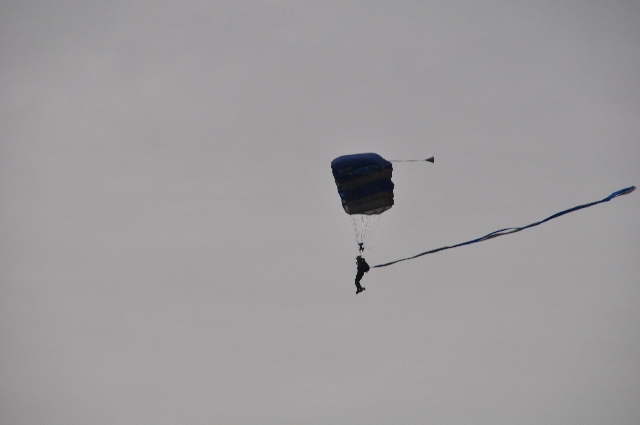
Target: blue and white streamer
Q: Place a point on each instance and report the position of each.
(510, 230)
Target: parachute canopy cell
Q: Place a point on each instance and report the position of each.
(364, 183)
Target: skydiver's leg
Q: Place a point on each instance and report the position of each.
(359, 287)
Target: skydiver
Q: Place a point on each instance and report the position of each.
(363, 267)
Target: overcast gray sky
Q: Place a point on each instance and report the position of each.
(173, 249)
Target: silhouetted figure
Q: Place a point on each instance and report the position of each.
(363, 267)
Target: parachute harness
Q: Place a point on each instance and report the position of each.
(510, 230)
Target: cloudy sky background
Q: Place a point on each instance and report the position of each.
(173, 249)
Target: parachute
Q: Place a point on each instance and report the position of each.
(366, 190)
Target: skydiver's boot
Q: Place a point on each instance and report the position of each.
(360, 289)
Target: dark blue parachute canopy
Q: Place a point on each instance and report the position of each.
(364, 183)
